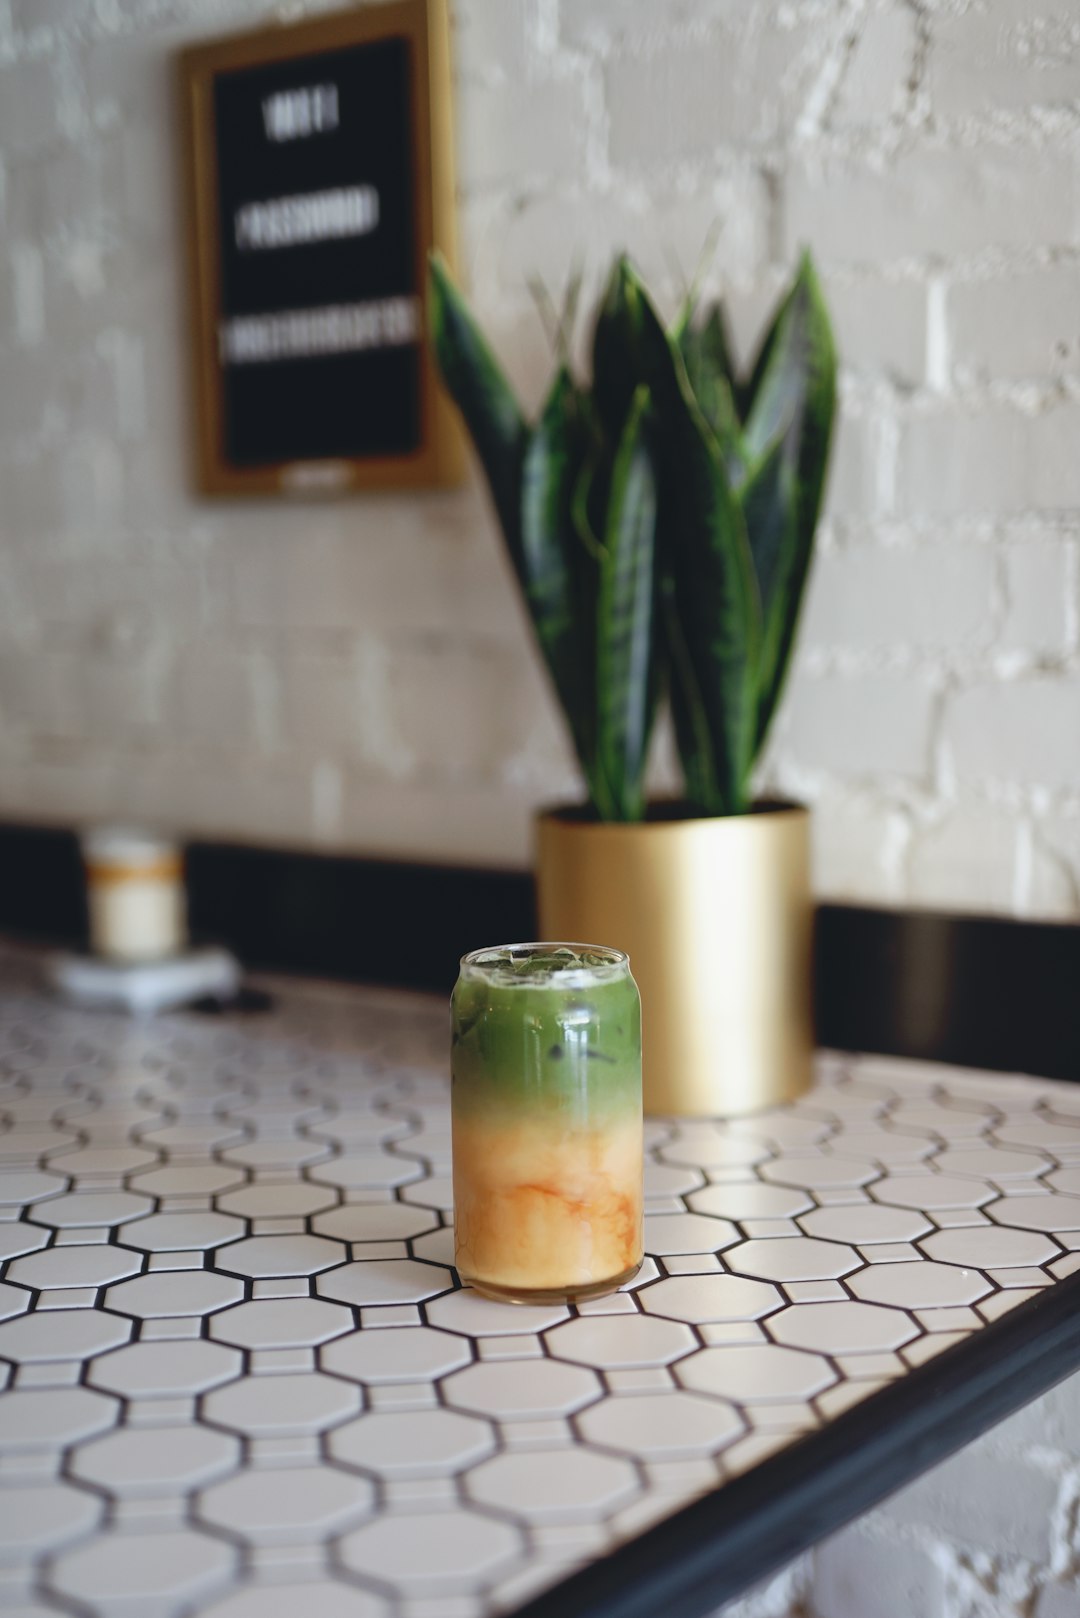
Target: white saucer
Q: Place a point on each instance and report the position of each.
(144, 986)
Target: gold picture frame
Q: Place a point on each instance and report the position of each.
(439, 458)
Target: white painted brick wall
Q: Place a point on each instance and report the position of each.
(1016, 734)
(358, 674)
(1000, 461)
(1005, 57)
(989, 1533)
(929, 202)
(1024, 327)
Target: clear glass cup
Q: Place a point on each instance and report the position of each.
(547, 1127)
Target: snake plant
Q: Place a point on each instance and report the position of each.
(660, 523)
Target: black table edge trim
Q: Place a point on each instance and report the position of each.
(979, 991)
(714, 1549)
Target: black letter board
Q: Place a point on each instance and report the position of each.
(320, 171)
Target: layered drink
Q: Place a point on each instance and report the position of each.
(547, 1129)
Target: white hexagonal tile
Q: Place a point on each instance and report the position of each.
(144, 1572)
(819, 1173)
(697, 1298)
(19, 1186)
(316, 1599)
(413, 1443)
(611, 1342)
(706, 1149)
(934, 1119)
(276, 1152)
(466, 1311)
(842, 1328)
(792, 1258)
(920, 1285)
(187, 1180)
(98, 1209)
(834, 1401)
(1067, 1180)
(437, 1246)
(281, 1255)
(193, 1136)
(367, 1171)
(687, 1233)
(991, 1163)
(13, 1301)
(90, 1266)
(165, 1293)
(649, 1271)
(554, 1486)
(25, 1144)
(38, 1517)
(436, 1191)
(375, 1222)
(61, 1334)
(375, 1281)
(165, 1370)
(182, 1232)
(990, 1247)
(670, 1179)
(276, 1110)
(47, 1418)
(1059, 1137)
(281, 1323)
(263, 1406)
(395, 1354)
(146, 1461)
(661, 1426)
(865, 1224)
(1057, 1212)
(91, 1162)
(461, 1549)
(17, 1238)
(289, 1200)
(526, 1390)
(299, 1505)
(786, 1129)
(751, 1201)
(879, 1145)
(431, 1148)
(929, 1191)
(364, 1128)
(762, 1373)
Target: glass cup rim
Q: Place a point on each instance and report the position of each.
(485, 962)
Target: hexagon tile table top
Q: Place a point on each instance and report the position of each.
(242, 1377)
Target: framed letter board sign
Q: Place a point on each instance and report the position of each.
(320, 175)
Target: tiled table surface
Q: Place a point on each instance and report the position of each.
(242, 1377)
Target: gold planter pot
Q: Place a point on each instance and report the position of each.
(716, 918)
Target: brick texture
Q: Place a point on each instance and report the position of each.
(359, 673)
(990, 1531)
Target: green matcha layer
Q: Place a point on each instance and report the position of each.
(556, 1031)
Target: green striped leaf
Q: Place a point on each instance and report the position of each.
(789, 432)
(478, 387)
(709, 370)
(713, 588)
(626, 684)
(616, 351)
(559, 575)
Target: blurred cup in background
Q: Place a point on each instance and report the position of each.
(135, 894)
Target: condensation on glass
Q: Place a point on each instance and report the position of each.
(547, 1126)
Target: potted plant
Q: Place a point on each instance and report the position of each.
(661, 522)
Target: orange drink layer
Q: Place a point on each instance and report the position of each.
(547, 1130)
